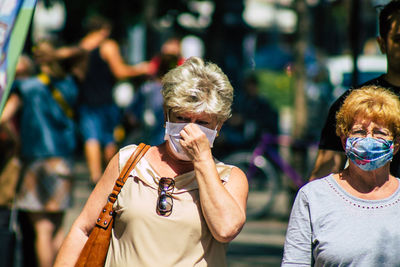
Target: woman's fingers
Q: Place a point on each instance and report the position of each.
(194, 140)
(192, 133)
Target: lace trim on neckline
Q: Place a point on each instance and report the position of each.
(391, 201)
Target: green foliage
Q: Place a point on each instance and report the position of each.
(277, 87)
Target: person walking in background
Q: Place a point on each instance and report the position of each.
(351, 218)
(10, 144)
(10, 170)
(331, 156)
(252, 116)
(171, 47)
(48, 142)
(98, 114)
(147, 106)
(97, 64)
(205, 203)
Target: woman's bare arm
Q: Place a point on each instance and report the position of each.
(13, 104)
(111, 53)
(327, 162)
(223, 206)
(84, 224)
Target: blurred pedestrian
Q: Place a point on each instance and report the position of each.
(10, 144)
(47, 134)
(170, 47)
(10, 170)
(147, 107)
(252, 115)
(331, 156)
(98, 114)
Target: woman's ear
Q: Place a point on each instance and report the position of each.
(343, 140)
(165, 114)
(219, 126)
(382, 44)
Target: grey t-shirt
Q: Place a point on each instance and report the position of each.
(329, 227)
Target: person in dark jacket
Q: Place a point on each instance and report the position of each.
(331, 156)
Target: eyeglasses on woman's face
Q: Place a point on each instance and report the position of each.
(203, 119)
(165, 201)
(372, 129)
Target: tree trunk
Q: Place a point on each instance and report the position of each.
(299, 159)
(300, 112)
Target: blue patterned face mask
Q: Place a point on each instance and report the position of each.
(369, 153)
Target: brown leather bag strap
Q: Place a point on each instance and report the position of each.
(124, 174)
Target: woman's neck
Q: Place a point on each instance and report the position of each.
(167, 164)
(376, 184)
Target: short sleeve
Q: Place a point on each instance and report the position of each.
(298, 242)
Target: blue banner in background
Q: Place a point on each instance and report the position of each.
(15, 18)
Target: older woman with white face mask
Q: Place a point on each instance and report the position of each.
(351, 218)
(181, 206)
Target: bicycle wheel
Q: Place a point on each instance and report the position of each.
(263, 182)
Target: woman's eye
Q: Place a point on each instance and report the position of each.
(381, 133)
(180, 118)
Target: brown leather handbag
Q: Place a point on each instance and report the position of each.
(95, 250)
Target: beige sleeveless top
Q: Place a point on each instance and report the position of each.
(141, 237)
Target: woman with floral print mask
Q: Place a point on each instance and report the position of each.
(351, 218)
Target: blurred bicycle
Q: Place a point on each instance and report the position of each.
(264, 168)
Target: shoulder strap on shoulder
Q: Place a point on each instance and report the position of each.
(124, 174)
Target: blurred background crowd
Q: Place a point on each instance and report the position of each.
(287, 60)
(297, 55)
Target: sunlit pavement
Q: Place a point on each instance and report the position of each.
(260, 243)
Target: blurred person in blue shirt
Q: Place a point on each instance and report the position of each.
(47, 133)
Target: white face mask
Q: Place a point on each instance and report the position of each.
(172, 131)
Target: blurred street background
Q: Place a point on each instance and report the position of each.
(302, 52)
(287, 60)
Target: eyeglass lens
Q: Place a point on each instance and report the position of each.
(166, 184)
(165, 201)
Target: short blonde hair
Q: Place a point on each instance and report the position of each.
(198, 87)
(370, 102)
